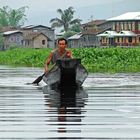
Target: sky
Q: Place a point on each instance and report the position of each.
(41, 11)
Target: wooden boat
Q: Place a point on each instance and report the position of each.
(67, 73)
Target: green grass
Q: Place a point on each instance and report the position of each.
(104, 60)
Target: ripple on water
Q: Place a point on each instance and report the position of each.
(107, 108)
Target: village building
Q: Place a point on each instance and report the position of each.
(13, 37)
(88, 36)
(49, 32)
(75, 41)
(35, 40)
(125, 31)
(29, 36)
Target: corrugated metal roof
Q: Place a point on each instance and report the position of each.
(76, 36)
(33, 26)
(7, 28)
(108, 34)
(126, 16)
(11, 32)
(127, 33)
(114, 33)
(94, 22)
(93, 31)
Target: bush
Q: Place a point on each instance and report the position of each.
(103, 60)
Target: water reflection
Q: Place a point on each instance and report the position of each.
(111, 108)
(68, 104)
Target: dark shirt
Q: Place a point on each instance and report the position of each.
(56, 55)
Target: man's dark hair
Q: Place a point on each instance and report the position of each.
(60, 39)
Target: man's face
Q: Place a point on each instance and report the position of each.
(62, 45)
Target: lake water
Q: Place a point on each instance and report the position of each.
(106, 108)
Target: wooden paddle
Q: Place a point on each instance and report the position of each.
(36, 81)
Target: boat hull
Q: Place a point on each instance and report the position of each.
(66, 73)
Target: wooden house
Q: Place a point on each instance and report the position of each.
(49, 32)
(95, 24)
(14, 37)
(35, 40)
(87, 37)
(30, 36)
(75, 41)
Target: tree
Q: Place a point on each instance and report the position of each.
(1, 42)
(17, 17)
(76, 28)
(4, 16)
(12, 17)
(66, 20)
(69, 34)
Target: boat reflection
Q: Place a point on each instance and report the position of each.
(69, 104)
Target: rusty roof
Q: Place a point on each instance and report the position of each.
(93, 31)
(7, 28)
(94, 22)
(29, 35)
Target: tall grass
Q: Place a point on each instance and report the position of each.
(24, 57)
(109, 60)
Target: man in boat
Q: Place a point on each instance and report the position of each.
(60, 52)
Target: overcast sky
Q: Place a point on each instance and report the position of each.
(52, 4)
(41, 11)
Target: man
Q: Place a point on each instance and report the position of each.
(60, 52)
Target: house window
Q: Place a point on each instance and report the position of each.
(125, 26)
(130, 39)
(121, 25)
(21, 42)
(129, 26)
(133, 26)
(122, 39)
(118, 39)
(139, 26)
(17, 39)
(117, 27)
(43, 42)
(35, 30)
(12, 39)
(114, 26)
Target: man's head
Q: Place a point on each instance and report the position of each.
(62, 43)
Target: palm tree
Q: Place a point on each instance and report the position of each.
(12, 17)
(4, 15)
(66, 19)
(17, 17)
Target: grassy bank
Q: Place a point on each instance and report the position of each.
(109, 60)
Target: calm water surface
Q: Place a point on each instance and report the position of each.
(107, 108)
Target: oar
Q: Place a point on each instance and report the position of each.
(38, 79)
